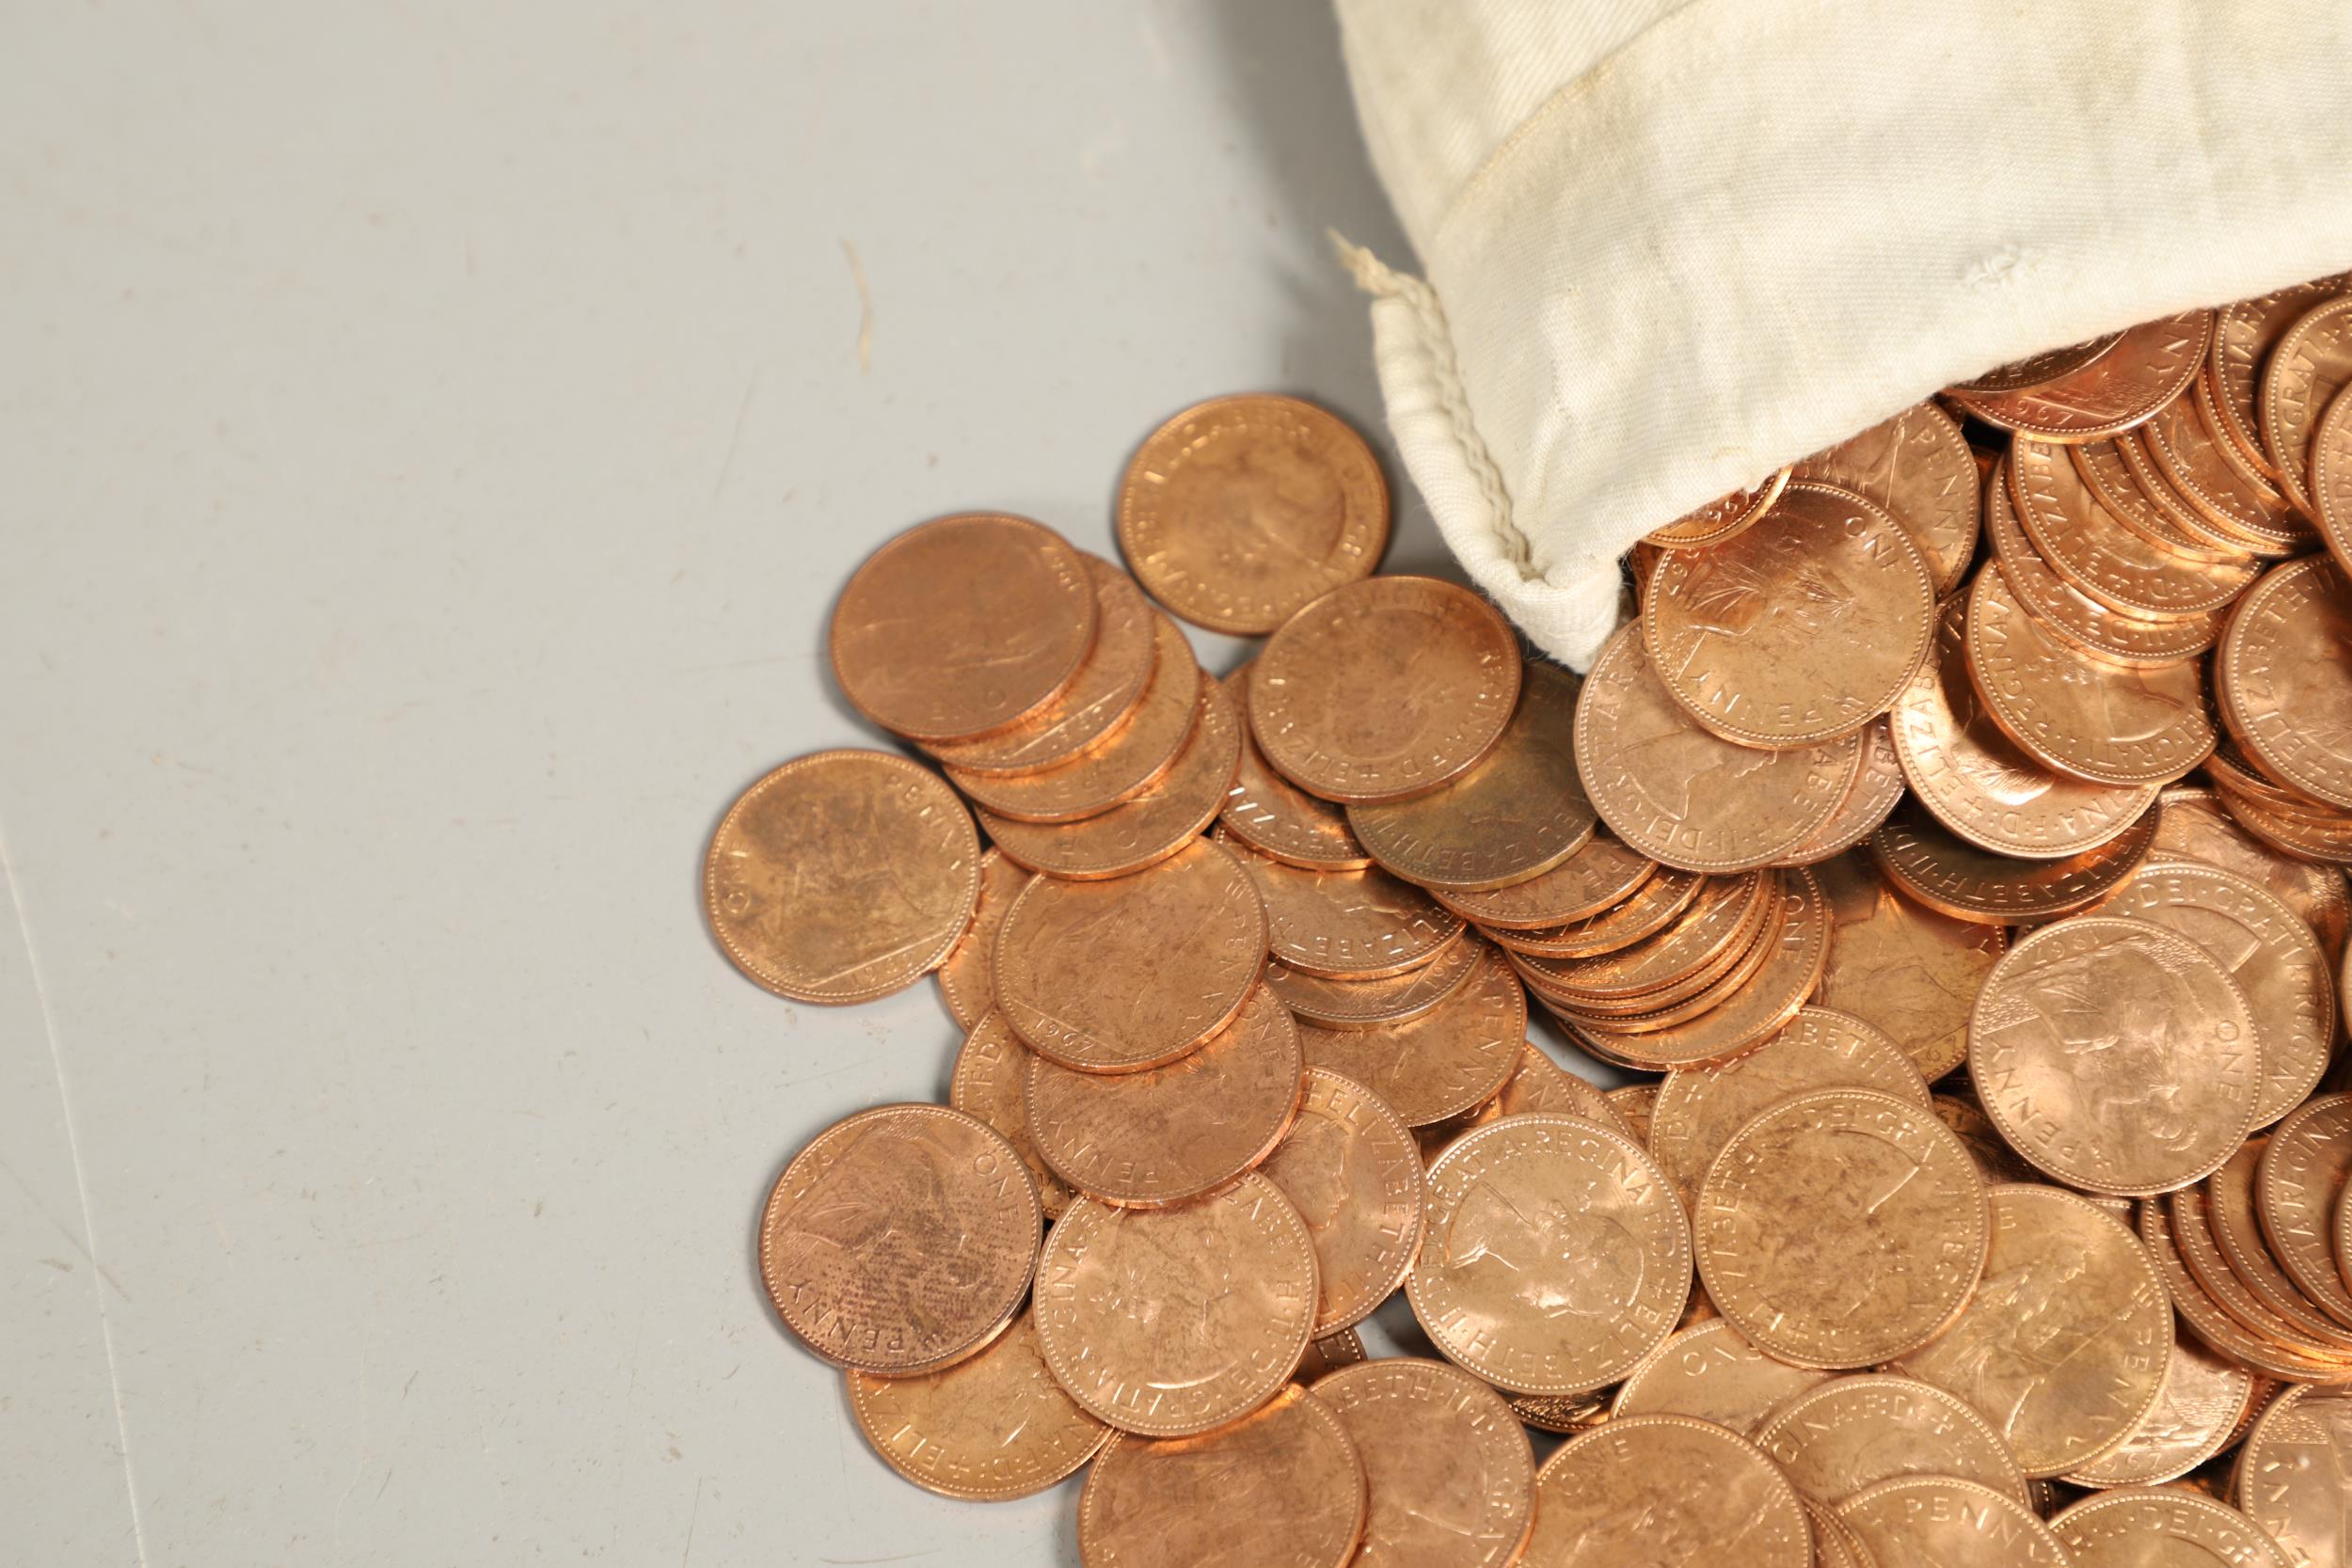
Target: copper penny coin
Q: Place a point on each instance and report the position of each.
(2266, 949)
(1724, 517)
(2116, 1055)
(2193, 1238)
(1633, 1104)
(1536, 1084)
(1327, 1355)
(2285, 673)
(2072, 615)
(1445, 1061)
(2088, 546)
(2064, 1345)
(1119, 976)
(2312, 363)
(1274, 816)
(1556, 1258)
(2233, 1219)
(2147, 1527)
(2146, 368)
(1800, 631)
(1877, 787)
(1597, 878)
(1665, 1489)
(1918, 467)
(2041, 369)
(1369, 1003)
(962, 625)
(1905, 969)
(1972, 778)
(2296, 1190)
(1840, 1227)
(1688, 998)
(965, 982)
(1384, 688)
(994, 1426)
(2204, 1397)
(2292, 1475)
(1348, 925)
(2244, 335)
(1138, 834)
(1710, 1371)
(1102, 697)
(1566, 1414)
(2227, 503)
(1972, 1127)
(2078, 714)
(2313, 839)
(1657, 904)
(1160, 1136)
(842, 876)
(1283, 1486)
(2211, 1323)
(1949, 1523)
(1725, 910)
(2160, 516)
(1240, 510)
(1169, 1321)
(1349, 1166)
(988, 1083)
(1925, 861)
(1853, 1432)
(1683, 796)
(2196, 826)
(1517, 812)
(1119, 767)
(1452, 1480)
(1700, 1108)
(2332, 477)
(900, 1240)
(1834, 1545)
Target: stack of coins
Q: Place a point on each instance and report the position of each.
(1976, 1184)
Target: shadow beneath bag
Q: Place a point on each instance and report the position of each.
(1288, 86)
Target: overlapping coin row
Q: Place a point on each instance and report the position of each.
(1980, 1151)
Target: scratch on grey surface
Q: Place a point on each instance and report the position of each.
(63, 1230)
(868, 1562)
(865, 308)
(87, 1244)
(735, 437)
(693, 1514)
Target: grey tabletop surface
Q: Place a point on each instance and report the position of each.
(431, 436)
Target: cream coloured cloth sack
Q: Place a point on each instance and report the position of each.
(1671, 245)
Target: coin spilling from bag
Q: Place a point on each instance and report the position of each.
(1948, 849)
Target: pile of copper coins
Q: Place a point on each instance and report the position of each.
(1946, 859)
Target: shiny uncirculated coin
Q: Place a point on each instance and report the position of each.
(1877, 787)
(2161, 516)
(1852, 1432)
(842, 876)
(2074, 616)
(2205, 1398)
(1949, 1523)
(1171, 1133)
(2232, 1215)
(1169, 1321)
(1901, 967)
(2116, 1055)
(1726, 911)
(1665, 1489)
(2064, 1345)
(1536, 1084)
(1240, 510)
(1556, 1258)
(1103, 695)
(1700, 1108)
(1917, 467)
(1275, 816)
(1801, 630)
(1348, 925)
(2266, 949)
(900, 1240)
(1520, 811)
(2196, 826)
(2298, 1187)
(1345, 1004)
(2244, 335)
(1440, 1062)
(2291, 1476)
(2152, 1527)
(1681, 795)
(995, 1425)
(2215, 1326)
(2141, 372)
(1724, 517)
(2284, 675)
(1709, 1370)
(1327, 1355)
(2041, 369)
(1384, 688)
(1840, 1228)
(1452, 1480)
(988, 1083)
(1597, 878)
(1657, 903)
(2230, 504)
(1926, 862)
(1349, 1166)
(1994, 1157)
(966, 981)
(2312, 363)
(1283, 1486)
(2090, 546)
(1122, 975)
(962, 625)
